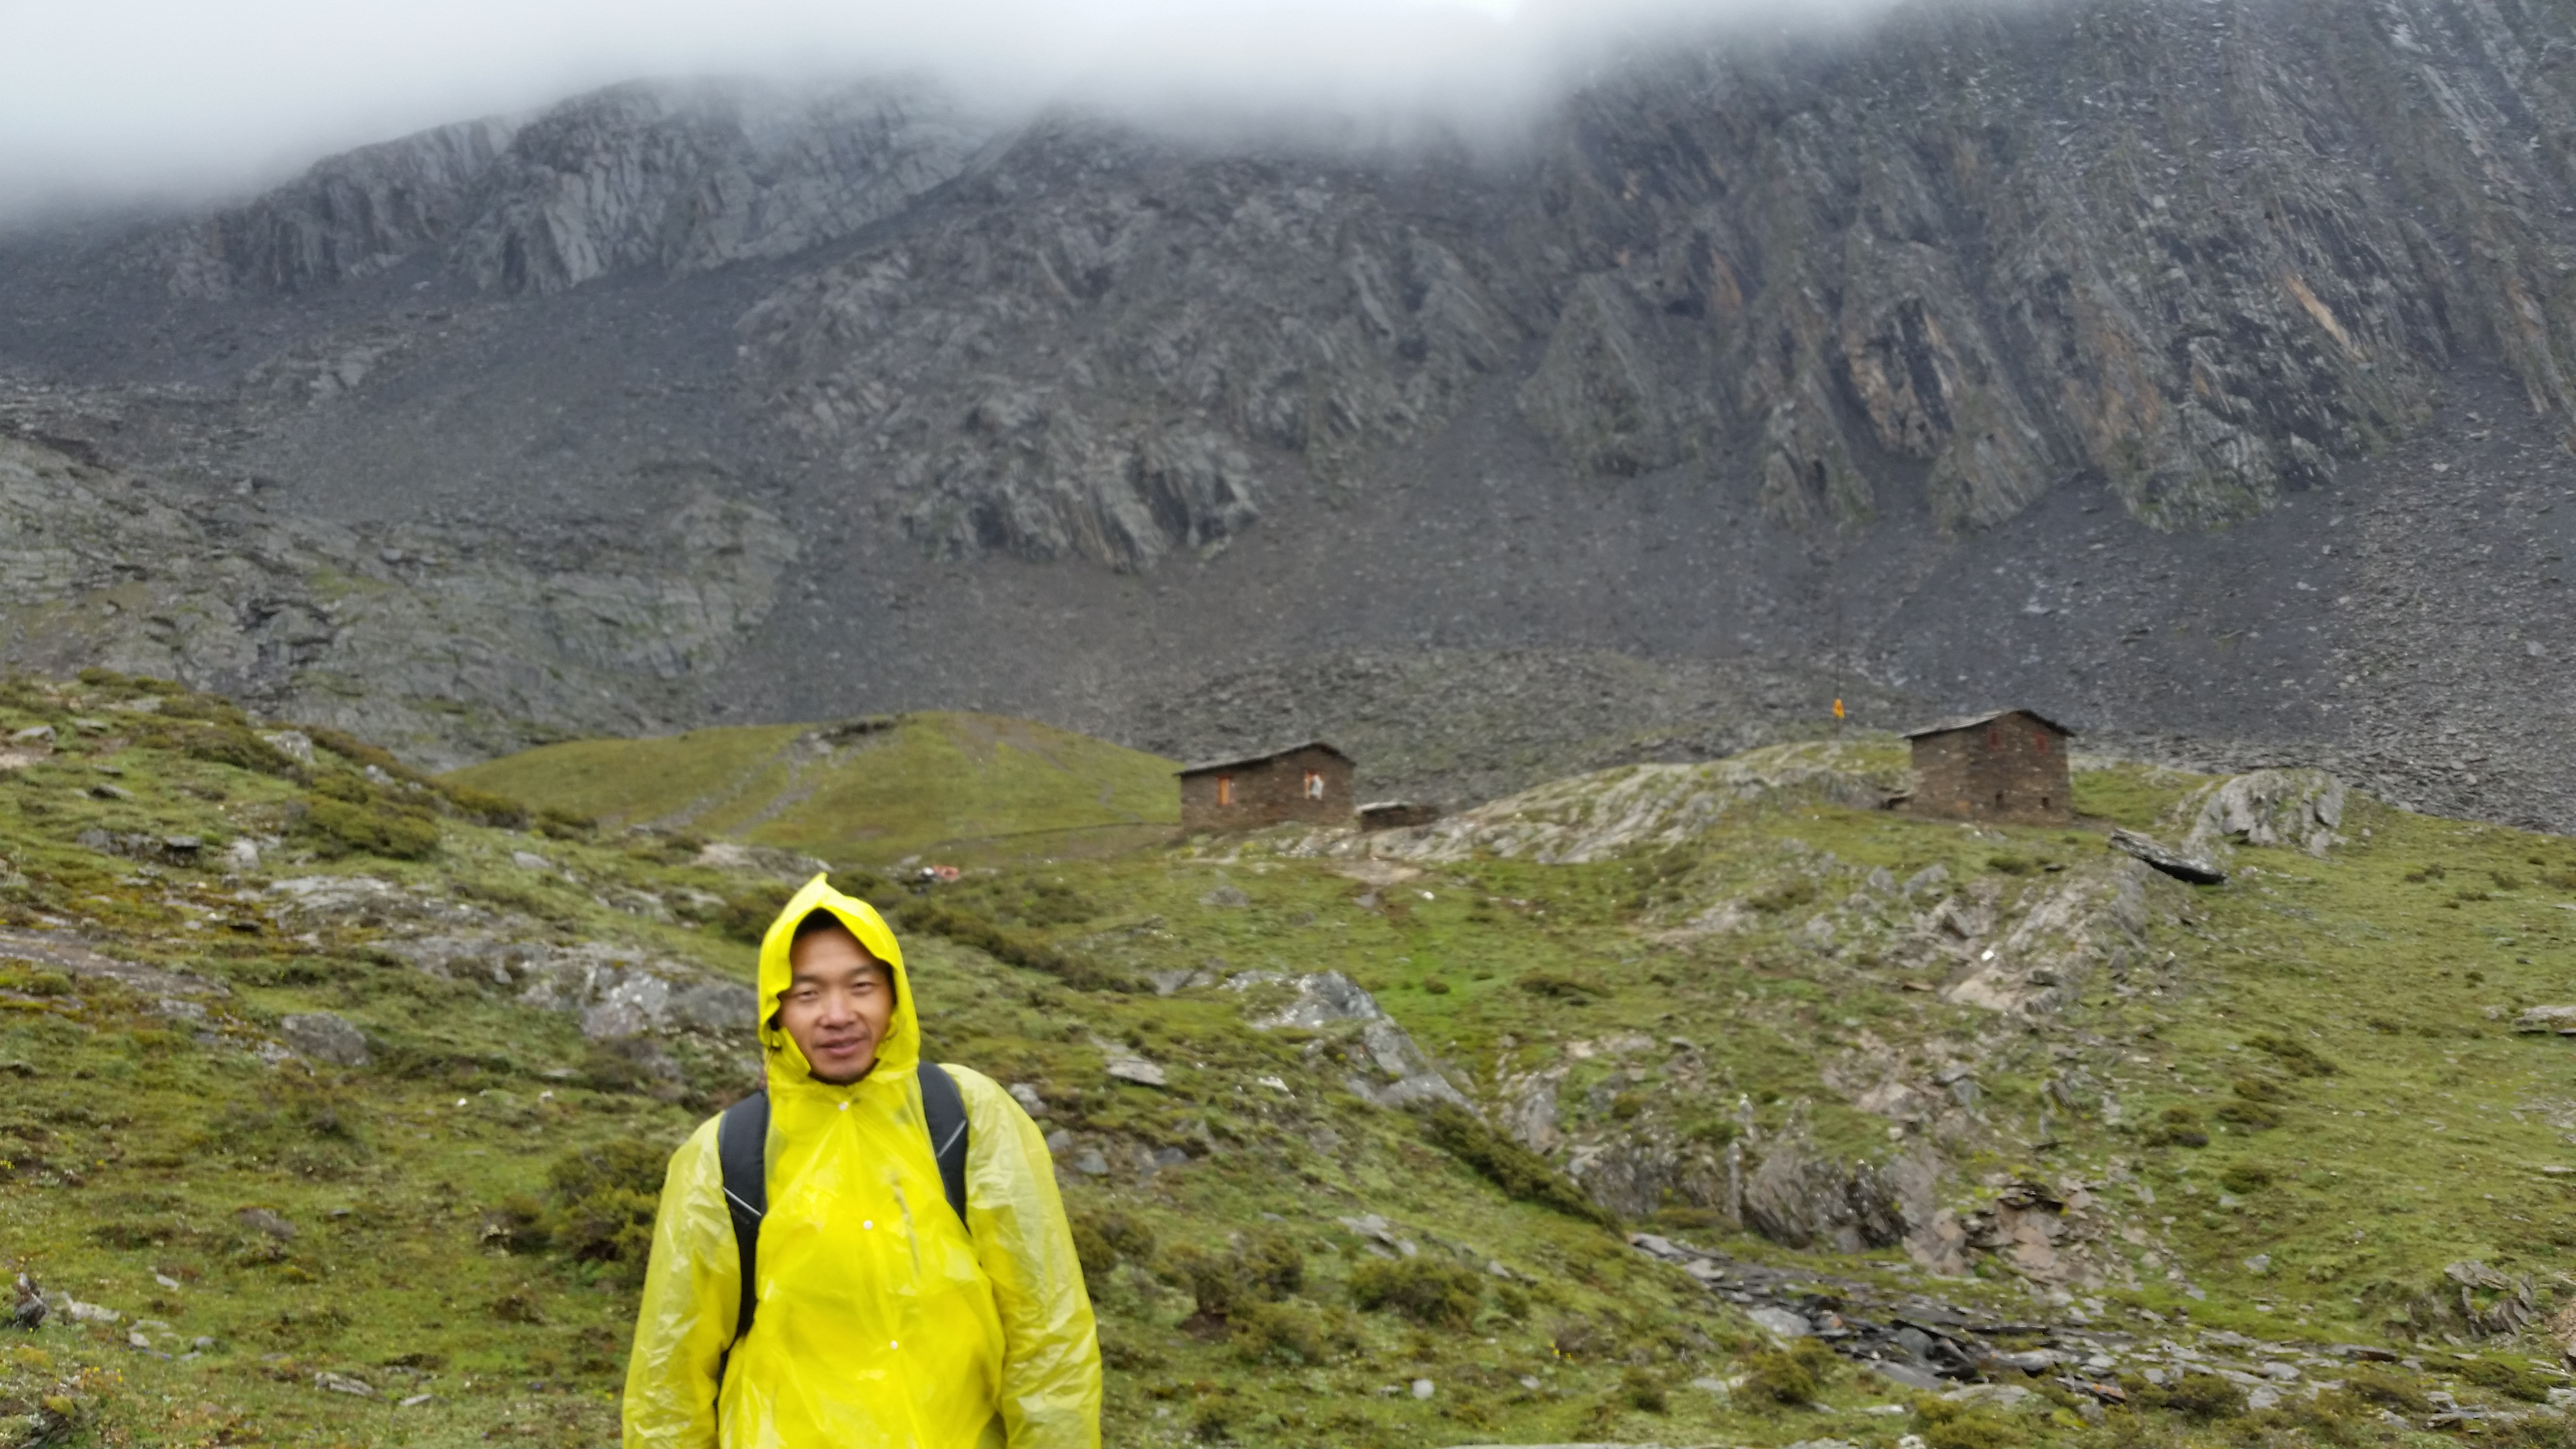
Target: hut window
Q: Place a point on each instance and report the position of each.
(1994, 739)
(1225, 789)
(1314, 784)
(2039, 741)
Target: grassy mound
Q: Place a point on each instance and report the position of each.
(971, 786)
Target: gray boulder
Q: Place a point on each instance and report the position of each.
(325, 1038)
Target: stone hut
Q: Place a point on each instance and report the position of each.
(2007, 766)
(1309, 782)
(1396, 814)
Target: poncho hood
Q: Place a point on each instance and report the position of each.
(898, 1054)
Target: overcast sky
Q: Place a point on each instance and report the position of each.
(109, 99)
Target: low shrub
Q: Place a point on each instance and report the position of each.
(1785, 895)
(1508, 1165)
(484, 807)
(338, 827)
(1103, 1240)
(2252, 1116)
(747, 913)
(1010, 947)
(2297, 1056)
(2176, 1127)
(297, 1126)
(2201, 1398)
(1792, 1376)
(1573, 990)
(1431, 1291)
(1644, 1390)
(1261, 1267)
(1298, 1333)
(1946, 1424)
(2383, 1390)
(601, 1204)
(557, 824)
(2011, 864)
(2511, 1380)
(2245, 1177)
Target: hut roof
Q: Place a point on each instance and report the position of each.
(1973, 721)
(1265, 757)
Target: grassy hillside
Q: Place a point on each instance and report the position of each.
(2168, 1134)
(969, 785)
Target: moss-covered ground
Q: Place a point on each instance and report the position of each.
(443, 1225)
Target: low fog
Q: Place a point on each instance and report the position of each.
(122, 102)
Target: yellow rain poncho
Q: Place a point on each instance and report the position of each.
(882, 1323)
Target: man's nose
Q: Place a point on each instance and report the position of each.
(839, 1009)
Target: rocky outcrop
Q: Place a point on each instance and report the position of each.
(682, 178)
(1593, 817)
(1086, 348)
(2297, 809)
(349, 217)
(439, 643)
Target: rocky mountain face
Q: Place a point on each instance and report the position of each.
(2198, 371)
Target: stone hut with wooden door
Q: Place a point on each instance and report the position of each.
(1309, 782)
(2008, 766)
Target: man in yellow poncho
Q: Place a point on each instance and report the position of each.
(878, 1319)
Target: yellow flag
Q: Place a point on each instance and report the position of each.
(1838, 709)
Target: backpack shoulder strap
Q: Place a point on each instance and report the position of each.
(742, 1150)
(943, 1111)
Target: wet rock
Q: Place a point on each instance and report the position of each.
(1136, 1069)
(325, 1038)
(2299, 809)
(264, 1220)
(2181, 865)
(2558, 1019)
(296, 745)
(343, 1384)
(1323, 999)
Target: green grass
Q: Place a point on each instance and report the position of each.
(971, 786)
(2311, 991)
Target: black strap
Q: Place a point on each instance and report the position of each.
(943, 1111)
(742, 1151)
(742, 1154)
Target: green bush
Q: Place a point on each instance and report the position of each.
(1508, 1165)
(2383, 1390)
(2011, 864)
(1297, 1333)
(1103, 1240)
(2509, 1379)
(297, 1126)
(557, 824)
(2245, 1177)
(1262, 1268)
(2297, 1056)
(1644, 1390)
(361, 754)
(747, 913)
(1431, 1291)
(337, 827)
(1793, 1376)
(1555, 986)
(1948, 1425)
(2176, 1127)
(1010, 947)
(602, 1202)
(484, 807)
(2202, 1398)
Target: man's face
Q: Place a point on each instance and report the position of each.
(838, 1001)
